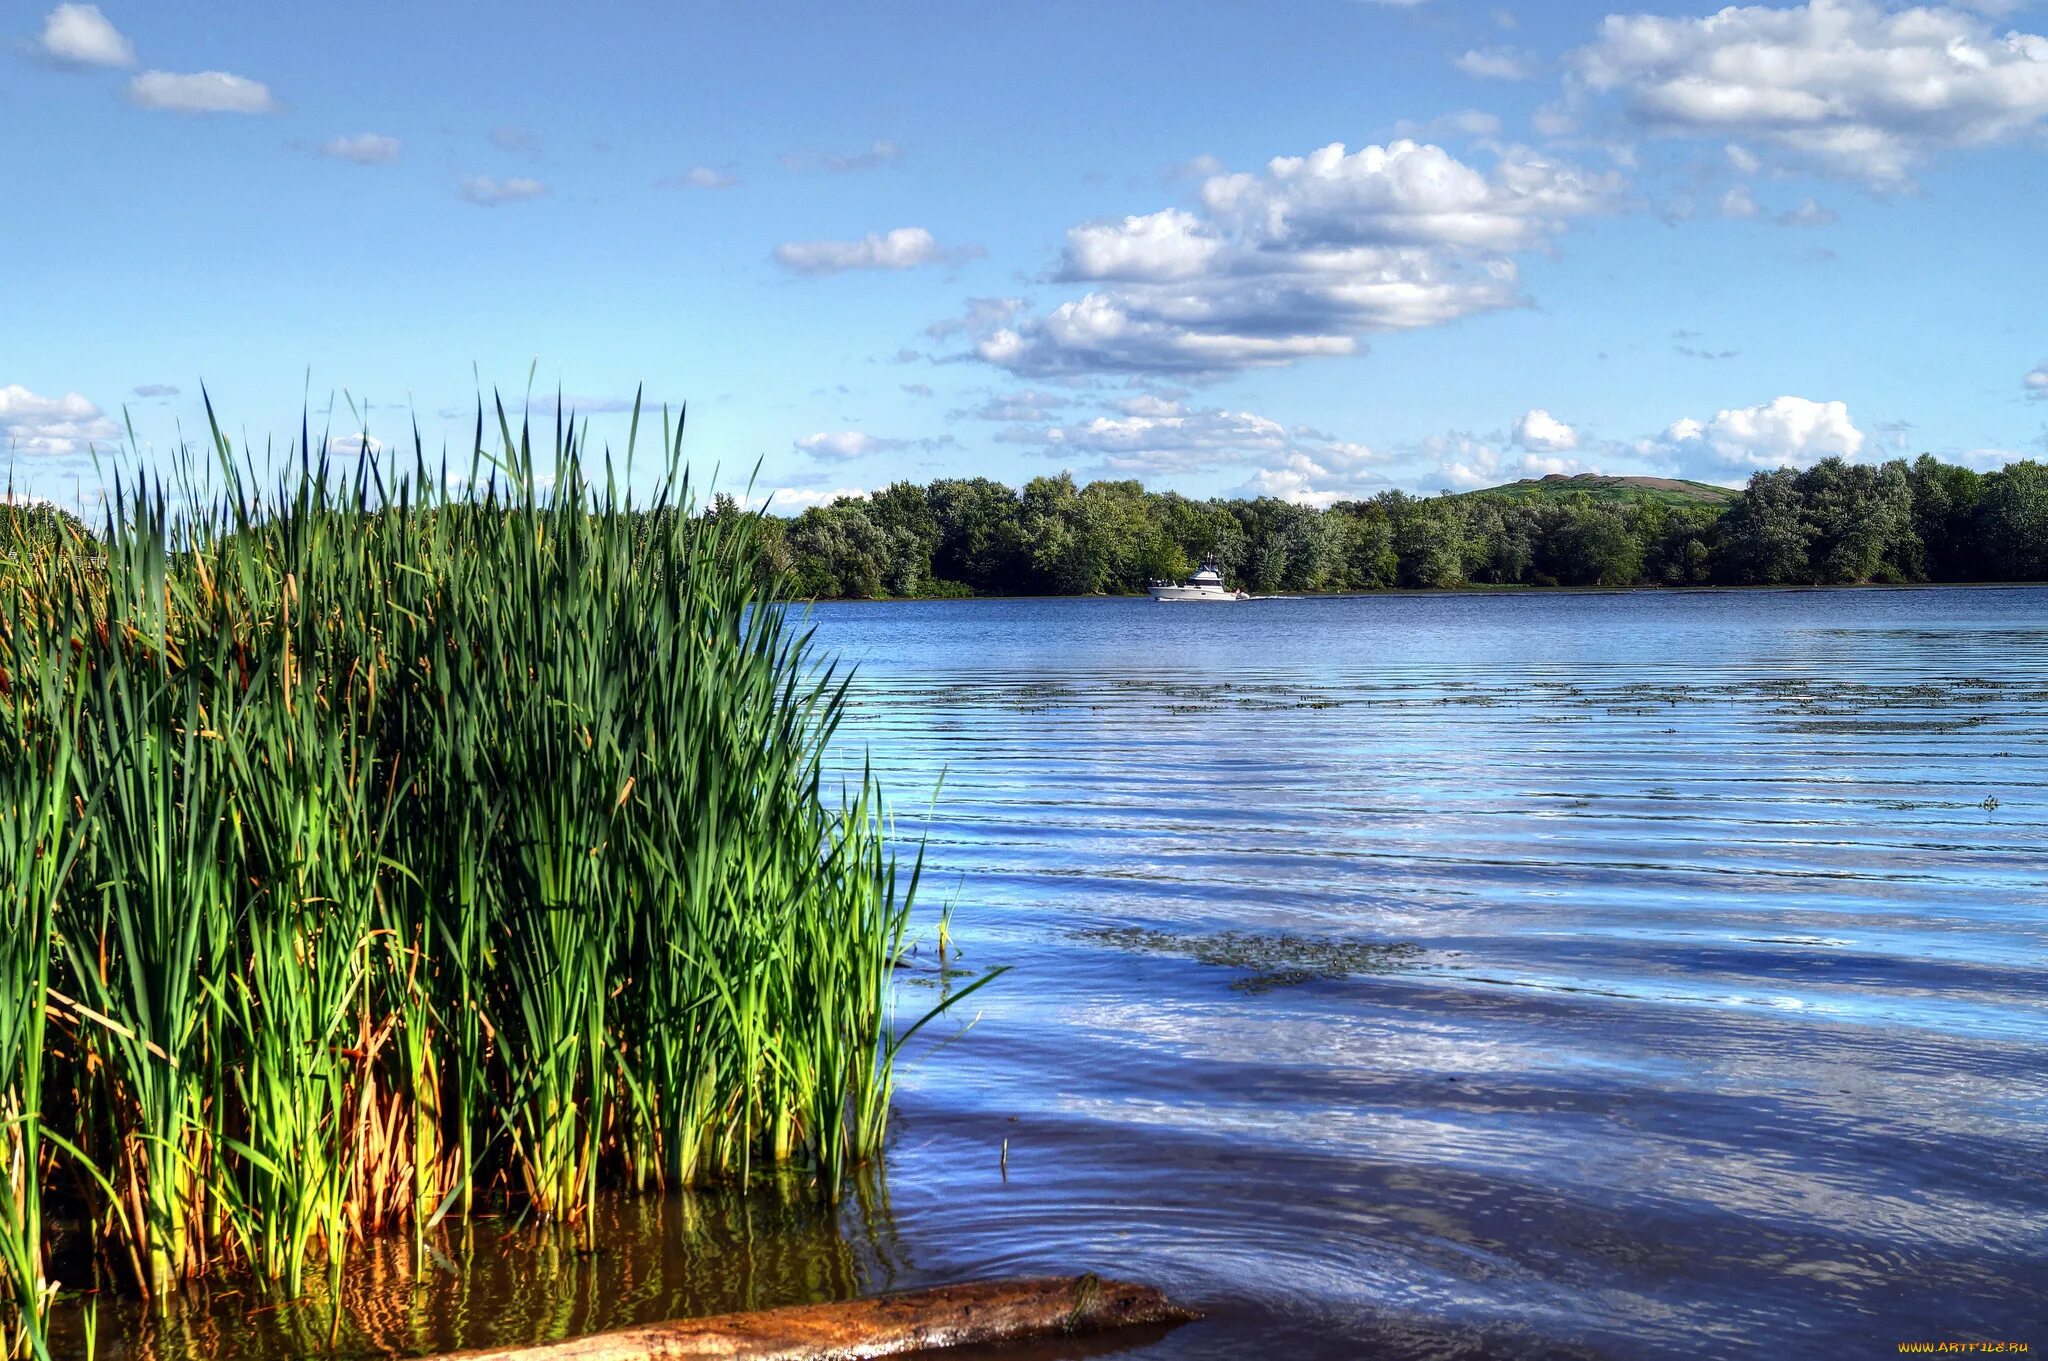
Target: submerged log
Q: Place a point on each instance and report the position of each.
(885, 1325)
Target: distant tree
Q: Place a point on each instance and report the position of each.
(2012, 521)
(839, 552)
(1429, 540)
(1679, 545)
(1763, 534)
(1858, 523)
(1592, 545)
(1944, 510)
(981, 541)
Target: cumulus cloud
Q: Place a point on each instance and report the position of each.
(880, 153)
(1786, 432)
(79, 35)
(201, 92)
(488, 191)
(1497, 63)
(364, 148)
(839, 446)
(982, 316)
(1808, 214)
(2036, 382)
(1541, 432)
(1336, 473)
(31, 424)
(1739, 203)
(1850, 87)
(1299, 260)
(843, 446)
(797, 500)
(702, 177)
(1147, 435)
(902, 248)
(1465, 462)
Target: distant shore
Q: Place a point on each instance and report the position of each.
(1517, 588)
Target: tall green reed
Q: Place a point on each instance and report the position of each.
(433, 850)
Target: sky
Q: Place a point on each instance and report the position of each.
(1314, 249)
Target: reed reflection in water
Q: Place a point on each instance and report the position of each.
(502, 1283)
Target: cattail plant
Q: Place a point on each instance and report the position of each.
(374, 854)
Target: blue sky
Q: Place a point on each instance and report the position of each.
(1315, 249)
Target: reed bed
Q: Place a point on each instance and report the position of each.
(375, 854)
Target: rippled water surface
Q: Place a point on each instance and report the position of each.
(1714, 1009)
(1637, 975)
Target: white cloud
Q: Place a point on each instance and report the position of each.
(79, 35)
(1849, 86)
(1156, 247)
(1808, 214)
(488, 191)
(1985, 460)
(843, 446)
(1739, 203)
(1147, 435)
(703, 177)
(1299, 260)
(1497, 63)
(880, 153)
(1466, 463)
(982, 316)
(903, 248)
(364, 148)
(1787, 432)
(796, 500)
(1151, 434)
(70, 424)
(1335, 472)
(201, 92)
(2036, 382)
(1541, 432)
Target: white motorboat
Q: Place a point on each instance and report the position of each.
(1206, 584)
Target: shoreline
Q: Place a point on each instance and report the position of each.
(1398, 592)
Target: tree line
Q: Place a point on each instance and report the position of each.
(1833, 523)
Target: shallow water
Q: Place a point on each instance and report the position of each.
(1620, 975)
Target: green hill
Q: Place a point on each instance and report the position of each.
(1670, 490)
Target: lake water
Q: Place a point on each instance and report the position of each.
(1537, 975)
(1714, 1013)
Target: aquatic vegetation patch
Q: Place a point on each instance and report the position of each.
(372, 856)
(1267, 961)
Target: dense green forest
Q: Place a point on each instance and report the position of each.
(1836, 522)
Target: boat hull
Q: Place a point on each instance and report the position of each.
(1191, 594)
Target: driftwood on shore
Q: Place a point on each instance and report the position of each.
(886, 1325)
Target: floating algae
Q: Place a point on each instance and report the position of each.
(1269, 961)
